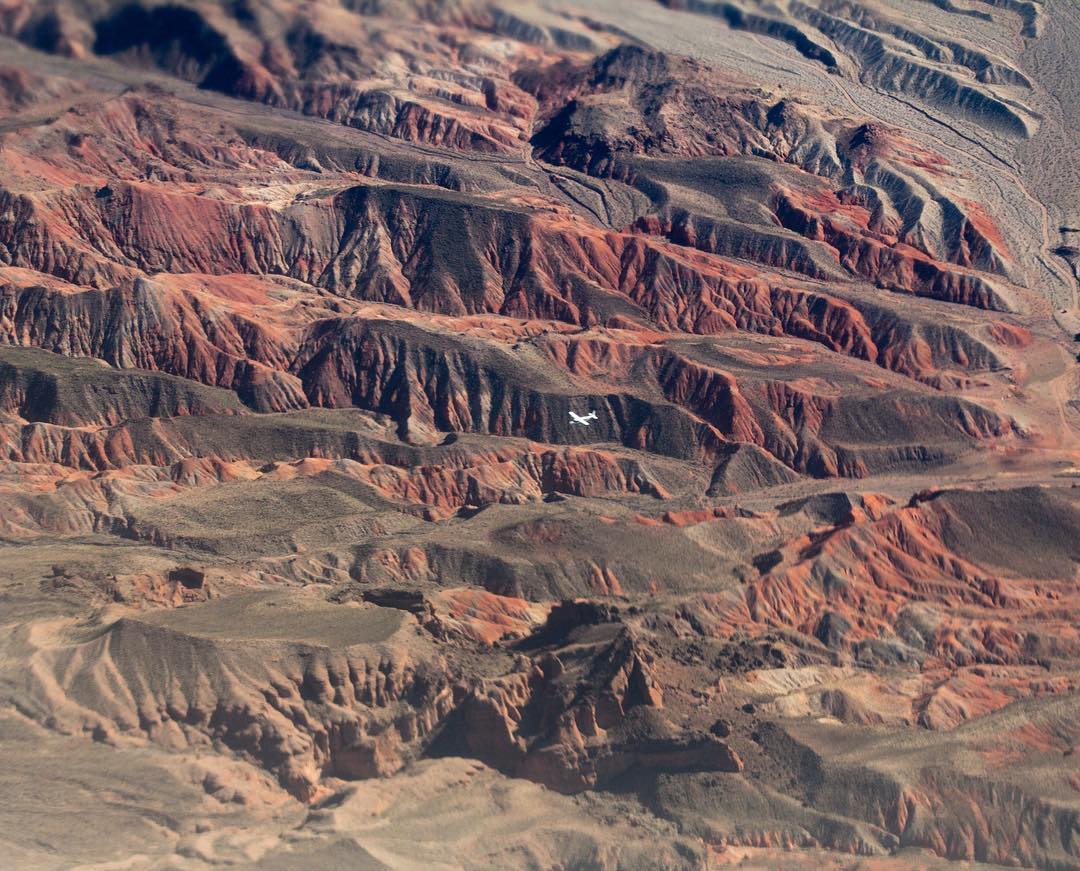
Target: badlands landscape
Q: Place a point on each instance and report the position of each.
(304, 562)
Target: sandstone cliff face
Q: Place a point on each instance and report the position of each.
(945, 812)
(92, 486)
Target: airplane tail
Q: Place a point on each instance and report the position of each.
(591, 416)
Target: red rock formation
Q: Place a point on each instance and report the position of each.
(296, 304)
(877, 257)
(895, 575)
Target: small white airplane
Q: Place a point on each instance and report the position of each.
(584, 421)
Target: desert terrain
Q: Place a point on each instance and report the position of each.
(304, 562)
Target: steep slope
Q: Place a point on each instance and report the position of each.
(307, 557)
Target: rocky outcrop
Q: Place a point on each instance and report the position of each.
(747, 468)
(882, 260)
(308, 65)
(46, 388)
(142, 326)
(301, 306)
(911, 583)
(310, 712)
(305, 713)
(574, 724)
(633, 101)
(668, 105)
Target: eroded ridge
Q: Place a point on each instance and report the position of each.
(480, 434)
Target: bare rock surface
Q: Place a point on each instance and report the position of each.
(304, 561)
